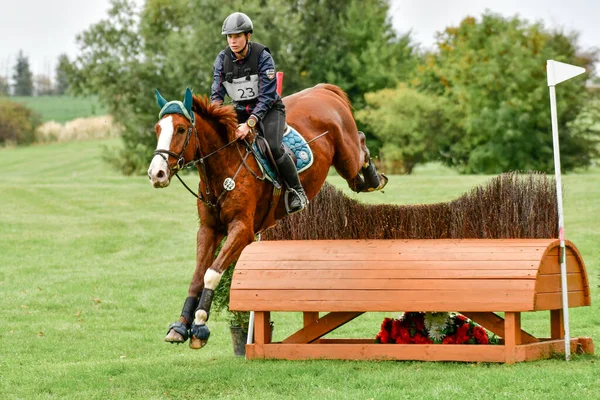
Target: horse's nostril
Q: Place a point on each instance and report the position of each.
(160, 174)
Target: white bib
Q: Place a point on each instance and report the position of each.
(242, 89)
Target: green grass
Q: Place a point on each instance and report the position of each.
(62, 108)
(95, 265)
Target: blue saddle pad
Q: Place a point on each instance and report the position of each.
(296, 143)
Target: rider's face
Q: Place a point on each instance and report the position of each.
(237, 41)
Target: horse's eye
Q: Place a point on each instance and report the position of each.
(180, 130)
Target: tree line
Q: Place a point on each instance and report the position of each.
(478, 102)
(24, 83)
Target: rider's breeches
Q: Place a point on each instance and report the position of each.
(272, 126)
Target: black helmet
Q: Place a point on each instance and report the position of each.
(237, 23)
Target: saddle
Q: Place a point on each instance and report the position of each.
(295, 145)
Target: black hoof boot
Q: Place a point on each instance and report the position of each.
(177, 333)
(199, 336)
(371, 176)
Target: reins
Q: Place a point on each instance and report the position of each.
(229, 183)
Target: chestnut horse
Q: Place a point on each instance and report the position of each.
(232, 202)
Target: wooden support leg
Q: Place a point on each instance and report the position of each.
(512, 335)
(557, 329)
(262, 332)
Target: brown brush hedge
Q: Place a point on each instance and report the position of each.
(511, 205)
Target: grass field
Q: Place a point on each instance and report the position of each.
(62, 108)
(94, 266)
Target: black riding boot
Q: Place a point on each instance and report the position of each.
(287, 170)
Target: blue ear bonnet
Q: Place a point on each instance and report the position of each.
(175, 106)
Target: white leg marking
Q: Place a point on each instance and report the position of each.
(200, 317)
(212, 279)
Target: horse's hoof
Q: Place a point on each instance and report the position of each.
(199, 336)
(178, 333)
(196, 343)
(383, 180)
(174, 337)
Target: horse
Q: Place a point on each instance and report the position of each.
(233, 199)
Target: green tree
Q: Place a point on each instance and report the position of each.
(493, 70)
(63, 69)
(23, 77)
(415, 127)
(352, 44)
(170, 44)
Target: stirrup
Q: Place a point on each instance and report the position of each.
(300, 195)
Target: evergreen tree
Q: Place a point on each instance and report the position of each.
(23, 77)
(62, 75)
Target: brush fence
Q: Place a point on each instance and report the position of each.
(345, 278)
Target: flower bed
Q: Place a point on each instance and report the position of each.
(430, 328)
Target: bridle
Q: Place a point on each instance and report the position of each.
(199, 159)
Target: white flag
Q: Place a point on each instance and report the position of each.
(558, 72)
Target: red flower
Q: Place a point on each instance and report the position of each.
(386, 324)
(448, 340)
(395, 331)
(410, 329)
(384, 336)
(480, 335)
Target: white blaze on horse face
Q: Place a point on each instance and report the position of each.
(158, 172)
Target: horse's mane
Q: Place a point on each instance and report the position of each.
(224, 115)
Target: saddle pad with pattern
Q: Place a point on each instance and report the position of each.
(296, 143)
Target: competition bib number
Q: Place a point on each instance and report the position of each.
(241, 89)
(246, 93)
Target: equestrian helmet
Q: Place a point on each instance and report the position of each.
(237, 23)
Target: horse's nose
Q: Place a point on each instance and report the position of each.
(158, 177)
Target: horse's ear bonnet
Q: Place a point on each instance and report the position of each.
(175, 106)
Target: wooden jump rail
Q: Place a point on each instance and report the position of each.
(346, 278)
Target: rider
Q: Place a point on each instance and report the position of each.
(245, 71)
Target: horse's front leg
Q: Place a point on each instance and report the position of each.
(240, 234)
(207, 241)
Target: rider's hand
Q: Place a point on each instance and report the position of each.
(242, 131)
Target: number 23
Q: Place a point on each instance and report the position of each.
(246, 93)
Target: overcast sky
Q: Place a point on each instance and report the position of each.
(43, 29)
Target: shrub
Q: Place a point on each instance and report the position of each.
(17, 123)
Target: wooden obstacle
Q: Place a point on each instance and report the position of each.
(346, 278)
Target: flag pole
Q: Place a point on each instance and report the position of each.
(558, 72)
(561, 227)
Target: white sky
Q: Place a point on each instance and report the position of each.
(44, 29)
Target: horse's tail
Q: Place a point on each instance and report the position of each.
(337, 90)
